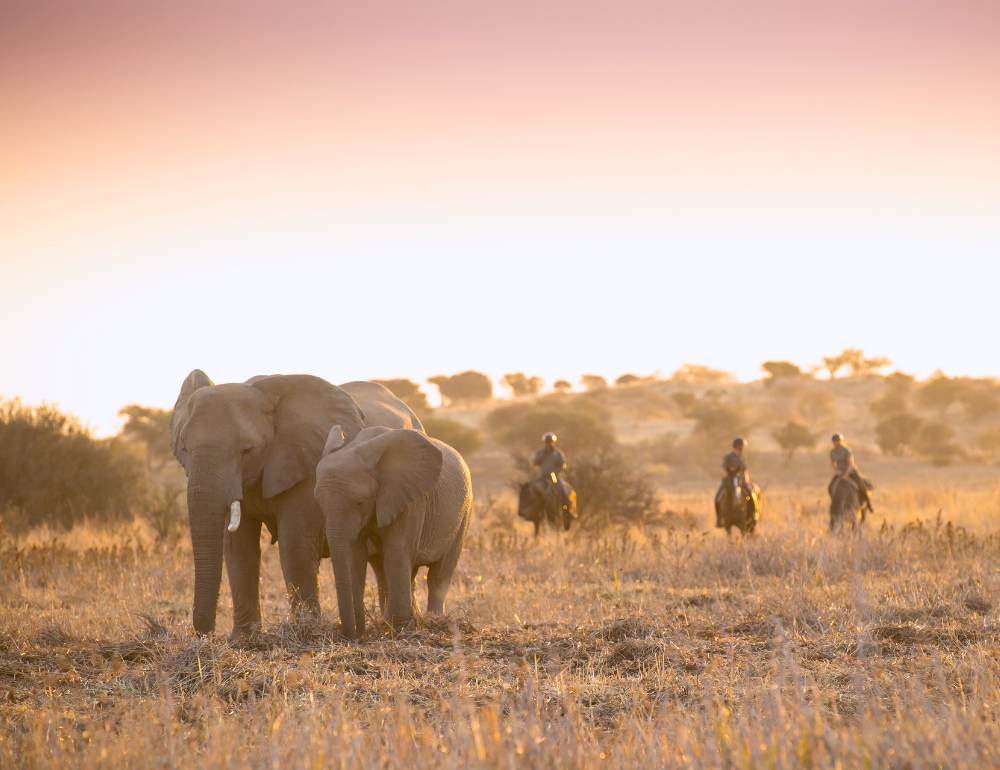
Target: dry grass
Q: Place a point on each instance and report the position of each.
(669, 649)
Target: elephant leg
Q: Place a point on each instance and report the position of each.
(440, 573)
(375, 559)
(359, 564)
(242, 551)
(300, 537)
(399, 582)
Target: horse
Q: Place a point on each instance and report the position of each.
(742, 514)
(539, 500)
(846, 508)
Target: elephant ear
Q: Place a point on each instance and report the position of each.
(407, 466)
(194, 381)
(305, 408)
(334, 440)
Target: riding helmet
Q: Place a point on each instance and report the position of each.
(837, 437)
(739, 442)
(550, 436)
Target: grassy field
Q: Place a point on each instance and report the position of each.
(630, 649)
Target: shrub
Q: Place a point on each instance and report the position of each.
(897, 432)
(163, 511)
(581, 424)
(610, 491)
(979, 397)
(697, 374)
(989, 441)
(463, 439)
(593, 382)
(716, 424)
(54, 472)
(940, 392)
(816, 404)
(467, 386)
(889, 405)
(899, 383)
(408, 392)
(934, 443)
(521, 385)
(794, 436)
(152, 427)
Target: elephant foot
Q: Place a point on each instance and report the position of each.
(245, 635)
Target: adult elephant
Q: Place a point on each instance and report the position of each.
(250, 452)
(401, 501)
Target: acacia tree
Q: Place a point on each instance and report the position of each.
(593, 382)
(854, 359)
(521, 385)
(408, 392)
(562, 386)
(467, 386)
(778, 369)
(794, 436)
(151, 426)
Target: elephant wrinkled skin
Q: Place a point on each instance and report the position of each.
(256, 444)
(400, 500)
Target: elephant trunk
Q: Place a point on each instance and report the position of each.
(209, 505)
(341, 555)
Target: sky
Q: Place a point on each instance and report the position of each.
(381, 189)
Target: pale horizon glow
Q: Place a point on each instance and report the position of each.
(386, 190)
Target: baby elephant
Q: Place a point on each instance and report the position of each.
(400, 500)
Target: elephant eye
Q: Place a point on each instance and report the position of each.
(247, 450)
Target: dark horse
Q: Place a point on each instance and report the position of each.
(539, 500)
(846, 508)
(743, 513)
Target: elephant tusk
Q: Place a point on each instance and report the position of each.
(234, 516)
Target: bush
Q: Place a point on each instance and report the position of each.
(467, 386)
(940, 393)
(989, 441)
(164, 513)
(816, 404)
(897, 433)
(899, 384)
(463, 439)
(521, 385)
(610, 491)
(889, 405)
(794, 436)
(934, 443)
(581, 424)
(697, 374)
(408, 392)
(716, 424)
(979, 397)
(593, 382)
(54, 472)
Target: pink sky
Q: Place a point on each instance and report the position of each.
(670, 143)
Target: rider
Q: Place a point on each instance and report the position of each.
(842, 460)
(551, 461)
(735, 473)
